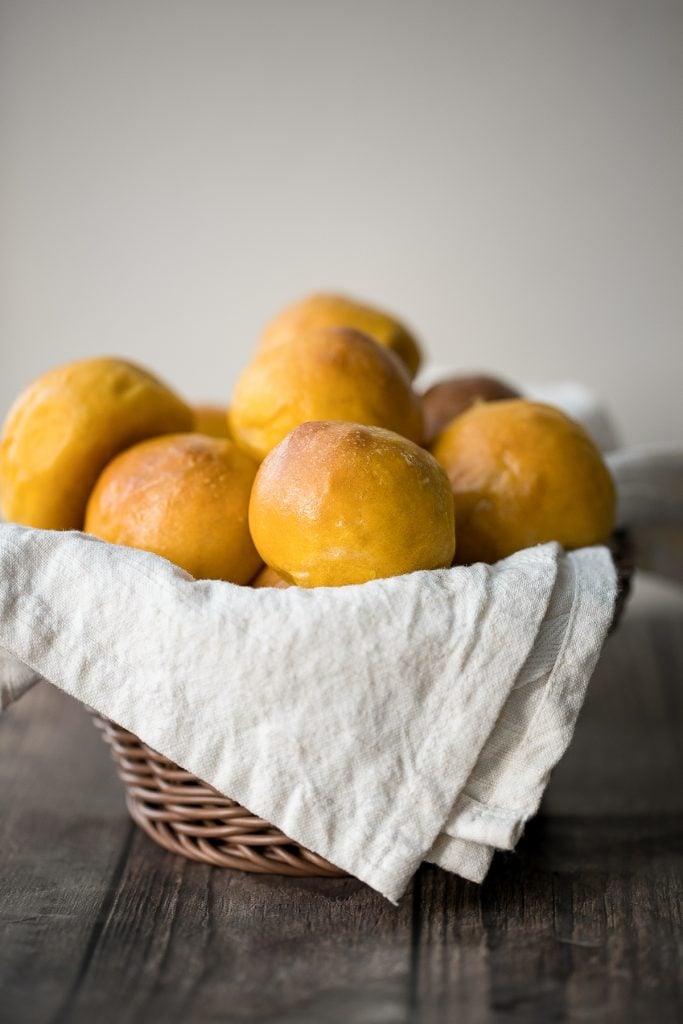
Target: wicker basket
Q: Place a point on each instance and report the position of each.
(189, 817)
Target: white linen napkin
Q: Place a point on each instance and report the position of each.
(379, 725)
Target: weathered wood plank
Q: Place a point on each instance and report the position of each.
(626, 756)
(189, 942)
(583, 923)
(63, 834)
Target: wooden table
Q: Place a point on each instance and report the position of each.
(99, 925)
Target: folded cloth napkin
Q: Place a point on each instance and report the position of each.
(407, 719)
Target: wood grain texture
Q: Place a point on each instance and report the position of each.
(627, 753)
(190, 942)
(64, 833)
(582, 923)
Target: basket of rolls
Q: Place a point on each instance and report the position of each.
(326, 468)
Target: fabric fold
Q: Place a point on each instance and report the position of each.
(537, 721)
(368, 723)
(15, 679)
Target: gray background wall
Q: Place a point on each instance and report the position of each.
(506, 175)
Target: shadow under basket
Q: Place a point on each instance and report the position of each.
(191, 818)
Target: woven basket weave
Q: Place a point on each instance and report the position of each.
(189, 817)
